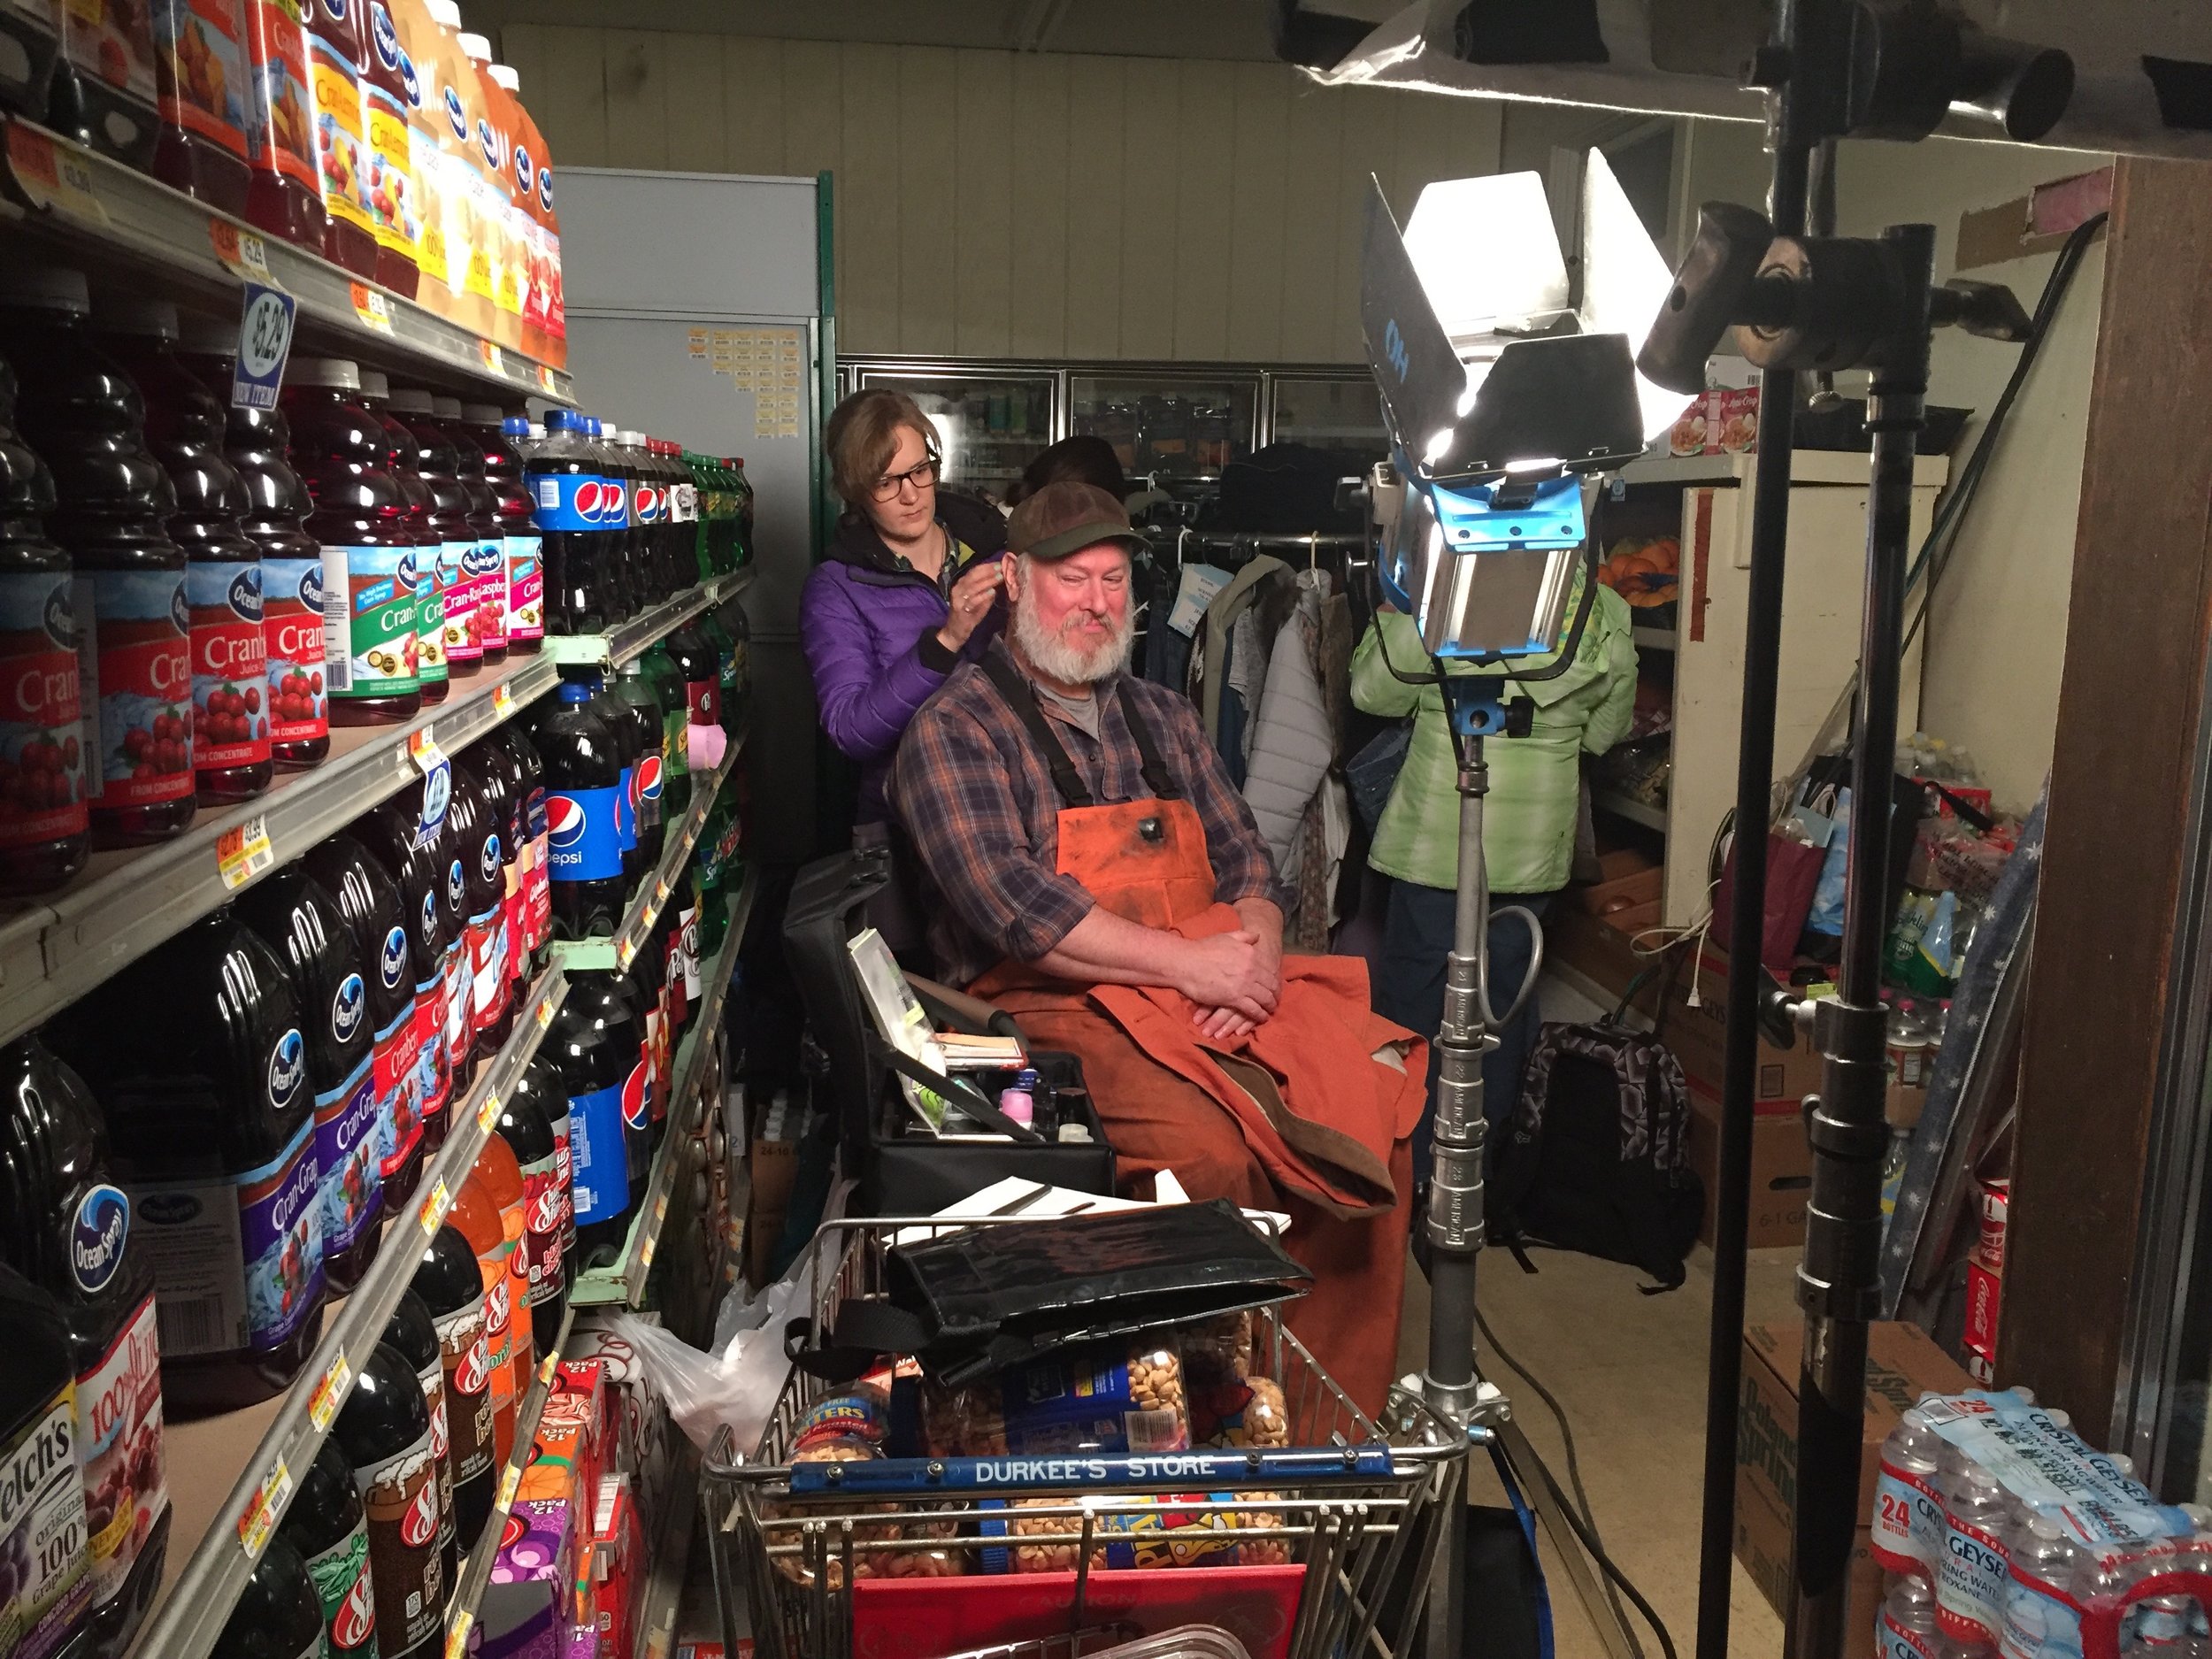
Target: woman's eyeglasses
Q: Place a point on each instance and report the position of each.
(921, 477)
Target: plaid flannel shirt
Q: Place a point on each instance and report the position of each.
(978, 800)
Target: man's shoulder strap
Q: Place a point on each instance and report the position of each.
(1065, 779)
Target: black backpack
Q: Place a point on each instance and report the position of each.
(1595, 1157)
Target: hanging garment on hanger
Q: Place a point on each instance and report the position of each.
(1212, 644)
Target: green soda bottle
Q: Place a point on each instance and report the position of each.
(668, 688)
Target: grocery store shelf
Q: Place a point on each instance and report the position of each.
(126, 903)
(191, 1616)
(1653, 639)
(670, 1564)
(1806, 466)
(630, 639)
(615, 953)
(623, 1280)
(121, 224)
(476, 1572)
(1635, 811)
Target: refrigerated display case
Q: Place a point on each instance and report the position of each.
(1340, 414)
(1165, 423)
(992, 419)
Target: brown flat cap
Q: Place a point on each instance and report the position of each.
(1065, 517)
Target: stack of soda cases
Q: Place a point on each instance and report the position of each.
(2007, 1535)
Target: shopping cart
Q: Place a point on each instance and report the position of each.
(1341, 1527)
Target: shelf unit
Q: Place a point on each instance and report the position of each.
(54, 950)
(1643, 812)
(122, 225)
(1653, 639)
(622, 1282)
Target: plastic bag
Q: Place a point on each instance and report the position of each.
(736, 1385)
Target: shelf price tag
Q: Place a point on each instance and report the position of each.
(265, 340)
(54, 176)
(545, 1015)
(260, 1518)
(493, 358)
(503, 700)
(546, 383)
(242, 852)
(371, 308)
(242, 251)
(434, 1204)
(508, 1483)
(487, 1114)
(330, 1394)
(437, 783)
(456, 1639)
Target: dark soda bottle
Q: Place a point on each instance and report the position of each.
(278, 1613)
(45, 828)
(525, 580)
(342, 141)
(487, 567)
(297, 918)
(66, 1227)
(185, 428)
(82, 414)
(583, 789)
(705, 740)
(536, 907)
(257, 443)
(384, 1430)
(285, 197)
(523, 1124)
(577, 513)
(476, 823)
(712, 885)
(432, 457)
(43, 1535)
(613, 999)
(646, 987)
(196, 1055)
(629, 693)
(371, 565)
(509, 790)
(451, 1287)
(626, 565)
(369, 898)
(475, 1216)
(413, 1334)
(629, 748)
(436, 578)
(199, 59)
(330, 1528)
(598, 1057)
(667, 684)
(388, 832)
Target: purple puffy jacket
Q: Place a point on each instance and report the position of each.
(870, 632)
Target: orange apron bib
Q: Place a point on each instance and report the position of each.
(1297, 1116)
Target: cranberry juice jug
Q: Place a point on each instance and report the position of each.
(537, 908)
(390, 834)
(476, 822)
(82, 412)
(437, 578)
(196, 1054)
(67, 1228)
(369, 901)
(222, 583)
(103, 93)
(483, 609)
(285, 197)
(296, 917)
(371, 569)
(504, 787)
(45, 831)
(205, 88)
(335, 48)
(41, 1503)
(518, 525)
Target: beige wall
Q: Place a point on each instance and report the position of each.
(1032, 205)
(1997, 635)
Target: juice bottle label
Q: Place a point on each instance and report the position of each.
(42, 761)
(432, 1377)
(562, 1170)
(120, 1436)
(488, 564)
(433, 601)
(434, 1074)
(513, 945)
(372, 606)
(280, 132)
(229, 665)
(487, 964)
(43, 1531)
(391, 187)
(134, 675)
(460, 1002)
(400, 1494)
(201, 65)
(544, 1200)
(238, 1262)
(599, 1175)
(468, 1366)
(467, 629)
(113, 42)
(540, 907)
(577, 501)
(526, 587)
(292, 635)
(397, 1070)
(582, 834)
(349, 1145)
(341, 142)
(342, 1584)
(426, 171)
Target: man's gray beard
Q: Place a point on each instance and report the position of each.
(1053, 658)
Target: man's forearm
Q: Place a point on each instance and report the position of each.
(1104, 948)
(1261, 917)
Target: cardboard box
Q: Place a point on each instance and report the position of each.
(1781, 1171)
(567, 1455)
(616, 1568)
(1624, 861)
(775, 1170)
(1722, 421)
(1697, 1036)
(1902, 1362)
(528, 1608)
(1637, 886)
(1762, 1544)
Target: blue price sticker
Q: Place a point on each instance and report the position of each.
(265, 340)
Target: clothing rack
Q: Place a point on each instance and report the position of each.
(1353, 547)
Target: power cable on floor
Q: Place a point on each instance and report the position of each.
(1585, 1525)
